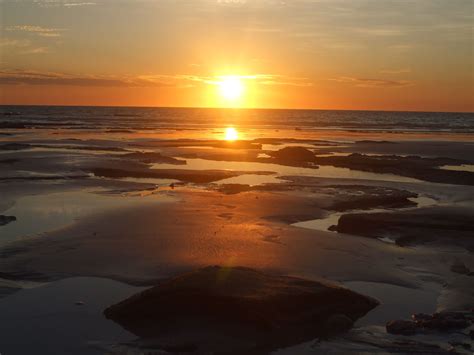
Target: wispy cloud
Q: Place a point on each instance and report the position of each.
(395, 71)
(373, 82)
(37, 30)
(72, 4)
(30, 77)
(65, 3)
(7, 42)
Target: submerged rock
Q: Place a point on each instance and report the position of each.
(6, 219)
(210, 306)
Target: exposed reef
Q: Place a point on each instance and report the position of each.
(236, 310)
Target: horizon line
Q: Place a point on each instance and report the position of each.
(236, 108)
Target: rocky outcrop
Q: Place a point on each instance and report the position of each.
(6, 219)
(436, 225)
(411, 166)
(441, 322)
(293, 156)
(151, 157)
(254, 309)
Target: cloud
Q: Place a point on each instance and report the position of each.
(373, 83)
(395, 71)
(37, 50)
(65, 3)
(72, 4)
(262, 79)
(7, 42)
(30, 77)
(25, 77)
(37, 30)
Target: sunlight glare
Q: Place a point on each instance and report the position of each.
(231, 134)
(231, 87)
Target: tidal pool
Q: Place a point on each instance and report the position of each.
(282, 170)
(36, 214)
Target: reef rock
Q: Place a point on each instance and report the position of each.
(236, 310)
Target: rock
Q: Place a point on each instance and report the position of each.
(79, 303)
(338, 323)
(420, 168)
(253, 309)
(459, 268)
(6, 219)
(152, 157)
(293, 154)
(15, 146)
(442, 321)
(417, 317)
(231, 189)
(359, 197)
(403, 327)
(446, 225)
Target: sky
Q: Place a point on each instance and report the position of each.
(323, 54)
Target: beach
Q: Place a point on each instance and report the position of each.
(98, 204)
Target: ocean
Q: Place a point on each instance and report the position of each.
(150, 118)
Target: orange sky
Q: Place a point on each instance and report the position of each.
(328, 54)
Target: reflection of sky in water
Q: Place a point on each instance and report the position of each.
(251, 179)
(397, 302)
(323, 171)
(55, 324)
(41, 213)
(463, 167)
(323, 224)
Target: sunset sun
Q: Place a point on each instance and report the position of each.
(231, 88)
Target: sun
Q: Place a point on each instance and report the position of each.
(231, 87)
(231, 134)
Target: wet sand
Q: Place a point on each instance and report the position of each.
(109, 210)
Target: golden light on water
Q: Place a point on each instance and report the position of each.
(231, 134)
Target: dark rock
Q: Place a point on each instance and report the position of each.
(459, 268)
(232, 189)
(403, 327)
(260, 310)
(338, 323)
(411, 166)
(293, 154)
(6, 219)
(434, 224)
(154, 158)
(457, 343)
(421, 317)
(333, 228)
(441, 321)
(184, 175)
(366, 197)
(14, 146)
(8, 161)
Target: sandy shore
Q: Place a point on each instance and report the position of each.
(136, 219)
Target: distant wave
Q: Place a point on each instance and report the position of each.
(132, 119)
